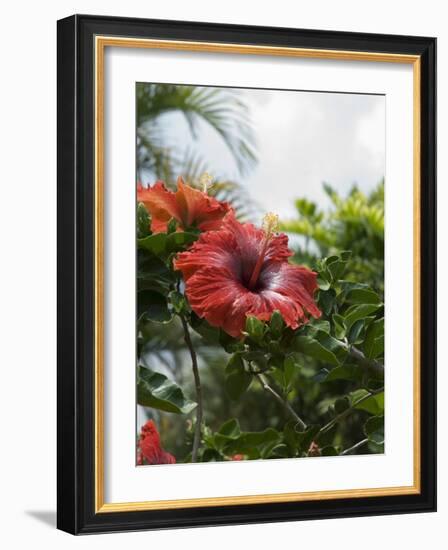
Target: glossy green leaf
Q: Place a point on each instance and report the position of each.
(320, 324)
(143, 221)
(312, 347)
(204, 329)
(327, 300)
(231, 428)
(363, 296)
(356, 312)
(163, 243)
(156, 244)
(320, 345)
(374, 429)
(322, 282)
(178, 241)
(157, 391)
(254, 444)
(374, 404)
(237, 378)
(339, 326)
(152, 306)
(255, 328)
(276, 324)
(356, 330)
(344, 372)
(374, 340)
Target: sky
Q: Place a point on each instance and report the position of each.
(303, 139)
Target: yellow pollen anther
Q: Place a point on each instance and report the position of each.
(206, 180)
(270, 223)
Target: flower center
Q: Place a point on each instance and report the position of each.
(270, 226)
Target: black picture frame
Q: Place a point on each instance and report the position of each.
(76, 226)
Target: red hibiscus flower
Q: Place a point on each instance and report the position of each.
(149, 449)
(240, 270)
(189, 207)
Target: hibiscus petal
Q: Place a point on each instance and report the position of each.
(294, 282)
(161, 204)
(200, 209)
(215, 249)
(217, 297)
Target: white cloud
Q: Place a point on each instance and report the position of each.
(304, 138)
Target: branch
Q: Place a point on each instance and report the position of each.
(354, 447)
(345, 413)
(361, 359)
(197, 383)
(280, 400)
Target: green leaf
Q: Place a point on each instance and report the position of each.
(152, 306)
(336, 268)
(341, 404)
(157, 391)
(154, 243)
(143, 221)
(320, 324)
(289, 436)
(254, 444)
(323, 282)
(356, 329)
(152, 273)
(255, 328)
(312, 347)
(339, 326)
(374, 340)
(204, 329)
(344, 372)
(231, 428)
(305, 438)
(320, 345)
(178, 241)
(163, 243)
(276, 324)
(171, 226)
(290, 370)
(178, 301)
(327, 300)
(373, 405)
(228, 432)
(237, 379)
(374, 429)
(329, 451)
(278, 451)
(356, 312)
(363, 296)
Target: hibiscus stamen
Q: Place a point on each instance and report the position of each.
(270, 226)
(206, 180)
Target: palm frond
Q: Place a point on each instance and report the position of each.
(221, 108)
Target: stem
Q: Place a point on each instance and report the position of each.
(282, 401)
(354, 447)
(197, 383)
(360, 358)
(345, 413)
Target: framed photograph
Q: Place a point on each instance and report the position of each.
(246, 274)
